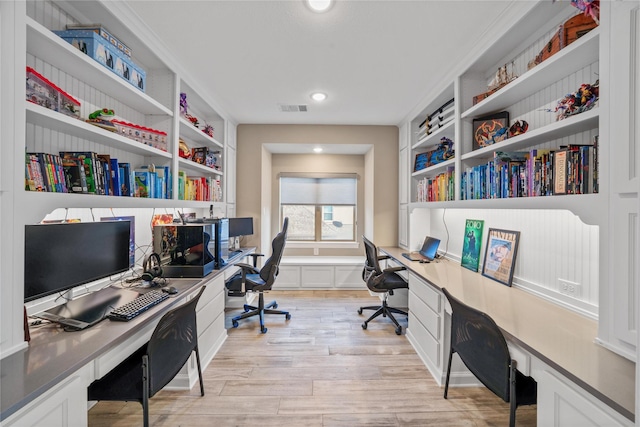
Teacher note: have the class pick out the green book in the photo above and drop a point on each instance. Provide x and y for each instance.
(472, 243)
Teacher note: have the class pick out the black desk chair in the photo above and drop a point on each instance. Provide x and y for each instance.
(262, 280)
(154, 365)
(482, 347)
(381, 281)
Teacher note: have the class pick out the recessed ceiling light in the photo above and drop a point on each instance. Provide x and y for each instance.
(319, 5)
(317, 150)
(318, 96)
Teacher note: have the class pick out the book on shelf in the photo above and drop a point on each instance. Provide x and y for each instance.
(127, 180)
(75, 175)
(44, 172)
(439, 188)
(93, 169)
(144, 183)
(114, 169)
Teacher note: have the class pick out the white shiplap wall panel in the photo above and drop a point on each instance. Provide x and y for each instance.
(554, 244)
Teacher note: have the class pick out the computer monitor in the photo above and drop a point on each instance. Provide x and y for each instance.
(240, 226)
(58, 257)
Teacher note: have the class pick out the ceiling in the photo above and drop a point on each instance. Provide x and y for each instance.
(376, 60)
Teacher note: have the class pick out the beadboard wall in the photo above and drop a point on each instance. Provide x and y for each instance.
(554, 246)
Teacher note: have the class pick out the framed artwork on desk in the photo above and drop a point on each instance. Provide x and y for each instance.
(500, 255)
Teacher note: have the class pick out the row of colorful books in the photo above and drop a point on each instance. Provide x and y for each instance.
(200, 188)
(571, 169)
(91, 173)
(440, 188)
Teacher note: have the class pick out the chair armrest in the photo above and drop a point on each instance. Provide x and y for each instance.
(383, 257)
(255, 258)
(247, 268)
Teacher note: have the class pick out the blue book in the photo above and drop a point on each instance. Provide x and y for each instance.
(143, 184)
(126, 184)
(115, 177)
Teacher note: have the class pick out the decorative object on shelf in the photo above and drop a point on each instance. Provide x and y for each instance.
(192, 119)
(103, 118)
(148, 136)
(204, 156)
(552, 47)
(439, 118)
(518, 128)
(505, 75)
(443, 152)
(208, 129)
(490, 129)
(576, 27)
(45, 93)
(472, 244)
(584, 99)
(571, 30)
(183, 150)
(500, 255)
(183, 104)
(590, 8)
(105, 53)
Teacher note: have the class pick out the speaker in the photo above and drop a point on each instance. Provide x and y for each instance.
(152, 268)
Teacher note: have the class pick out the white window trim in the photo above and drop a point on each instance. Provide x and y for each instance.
(322, 245)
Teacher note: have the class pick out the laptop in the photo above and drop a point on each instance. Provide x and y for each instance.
(427, 253)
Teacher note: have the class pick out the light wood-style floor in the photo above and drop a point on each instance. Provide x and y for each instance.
(318, 369)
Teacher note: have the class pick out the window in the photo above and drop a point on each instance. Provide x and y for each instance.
(320, 208)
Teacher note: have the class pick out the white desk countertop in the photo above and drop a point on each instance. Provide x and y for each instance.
(559, 337)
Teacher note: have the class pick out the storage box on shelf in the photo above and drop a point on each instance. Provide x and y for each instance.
(148, 136)
(43, 92)
(105, 53)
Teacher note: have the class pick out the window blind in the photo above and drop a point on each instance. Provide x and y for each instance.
(318, 191)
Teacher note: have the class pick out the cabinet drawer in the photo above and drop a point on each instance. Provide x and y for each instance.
(426, 293)
(429, 346)
(210, 311)
(429, 319)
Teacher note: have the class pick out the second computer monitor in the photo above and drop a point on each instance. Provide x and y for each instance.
(240, 226)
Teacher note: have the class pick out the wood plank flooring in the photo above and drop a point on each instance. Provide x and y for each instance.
(318, 369)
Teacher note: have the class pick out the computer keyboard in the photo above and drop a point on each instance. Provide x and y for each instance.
(138, 306)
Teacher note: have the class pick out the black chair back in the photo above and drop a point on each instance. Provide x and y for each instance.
(172, 343)
(481, 346)
(371, 266)
(269, 270)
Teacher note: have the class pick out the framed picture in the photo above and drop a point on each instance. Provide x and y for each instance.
(500, 255)
(422, 161)
(491, 129)
(472, 244)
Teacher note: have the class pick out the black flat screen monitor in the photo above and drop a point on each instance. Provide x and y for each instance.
(58, 257)
(240, 227)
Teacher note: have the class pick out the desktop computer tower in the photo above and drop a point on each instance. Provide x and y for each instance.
(192, 249)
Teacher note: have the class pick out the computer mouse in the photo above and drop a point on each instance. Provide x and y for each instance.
(172, 290)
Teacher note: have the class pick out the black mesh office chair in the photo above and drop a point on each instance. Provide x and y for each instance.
(262, 280)
(482, 347)
(154, 365)
(381, 281)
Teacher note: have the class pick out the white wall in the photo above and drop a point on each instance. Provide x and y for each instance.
(554, 245)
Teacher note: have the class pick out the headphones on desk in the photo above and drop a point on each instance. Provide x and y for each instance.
(152, 269)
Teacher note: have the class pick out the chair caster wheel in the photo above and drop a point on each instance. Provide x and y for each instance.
(287, 316)
(364, 326)
(263, 330)
(234, 323)
(359, 311)
(399, 330)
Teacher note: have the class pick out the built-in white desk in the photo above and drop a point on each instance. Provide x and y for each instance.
(580, 383)
(46, 383)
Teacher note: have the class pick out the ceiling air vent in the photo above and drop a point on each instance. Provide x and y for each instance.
(287, 108)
